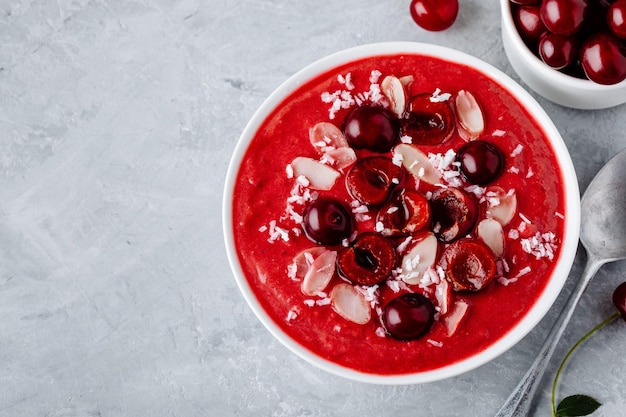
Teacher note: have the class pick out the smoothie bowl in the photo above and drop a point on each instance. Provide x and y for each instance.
(400, 213)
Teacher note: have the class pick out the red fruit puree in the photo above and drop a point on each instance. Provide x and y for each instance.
(268, 233)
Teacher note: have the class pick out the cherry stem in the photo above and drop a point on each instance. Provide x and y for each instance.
(573, 348)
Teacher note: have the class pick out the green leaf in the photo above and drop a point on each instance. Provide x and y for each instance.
(576, 406)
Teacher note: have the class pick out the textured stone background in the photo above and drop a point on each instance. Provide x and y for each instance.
(117, 122)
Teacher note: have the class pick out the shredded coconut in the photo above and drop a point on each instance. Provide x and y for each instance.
(518, 150)
(540, 245)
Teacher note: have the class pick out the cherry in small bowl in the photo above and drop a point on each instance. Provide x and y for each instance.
(569, 86)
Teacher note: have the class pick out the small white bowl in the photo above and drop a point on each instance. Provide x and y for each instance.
(546, 297)
(557, 87)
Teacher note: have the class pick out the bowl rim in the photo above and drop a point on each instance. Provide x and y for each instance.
(571, 227)
(540, 68)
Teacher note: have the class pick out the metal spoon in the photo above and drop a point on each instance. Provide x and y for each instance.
(603, 234)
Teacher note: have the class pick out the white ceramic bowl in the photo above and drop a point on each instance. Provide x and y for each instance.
(546, 298)
(557, 87)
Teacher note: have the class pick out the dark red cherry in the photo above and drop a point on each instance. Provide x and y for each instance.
(558, 51)
(368, 261)
(616, 17)
(406, 213)
(529, 24)
(563, 17)
(427, 121)
(468, 264)
(434, 15)
(327, 221)
(371, 127)
(619, 299)
(371, 179)
(603, 59)
(408, 316)
(481, 162)
(453, 212)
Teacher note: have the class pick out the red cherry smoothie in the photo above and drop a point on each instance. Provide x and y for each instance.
(268, 238)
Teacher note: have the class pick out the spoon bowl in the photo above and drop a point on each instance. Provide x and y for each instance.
(603, 231)
(603, 234)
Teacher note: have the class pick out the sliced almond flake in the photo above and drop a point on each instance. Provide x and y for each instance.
(319, 273)
(506, 206)
(303, 260)
(289, 171)
(425, 252)
(498, 133)
(471, 122)
(559, 215)
(326, 134)
(453, 319)
(394, 92)
(406, 139)
(490, 231)
(380, 332)
(416, 162)
(530, 173)
(318, 175)
(350, 304)
(342, 157)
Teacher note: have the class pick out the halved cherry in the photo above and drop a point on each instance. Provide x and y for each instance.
(408, 316)
(371, 179)
(427, 121)
(453, 212)
(406, 213)
(368, 261)
(468, 264)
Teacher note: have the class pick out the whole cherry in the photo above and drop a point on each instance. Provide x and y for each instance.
(619, 299)
(434, 15)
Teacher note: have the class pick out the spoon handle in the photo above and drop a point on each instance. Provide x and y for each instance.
(519, 402)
